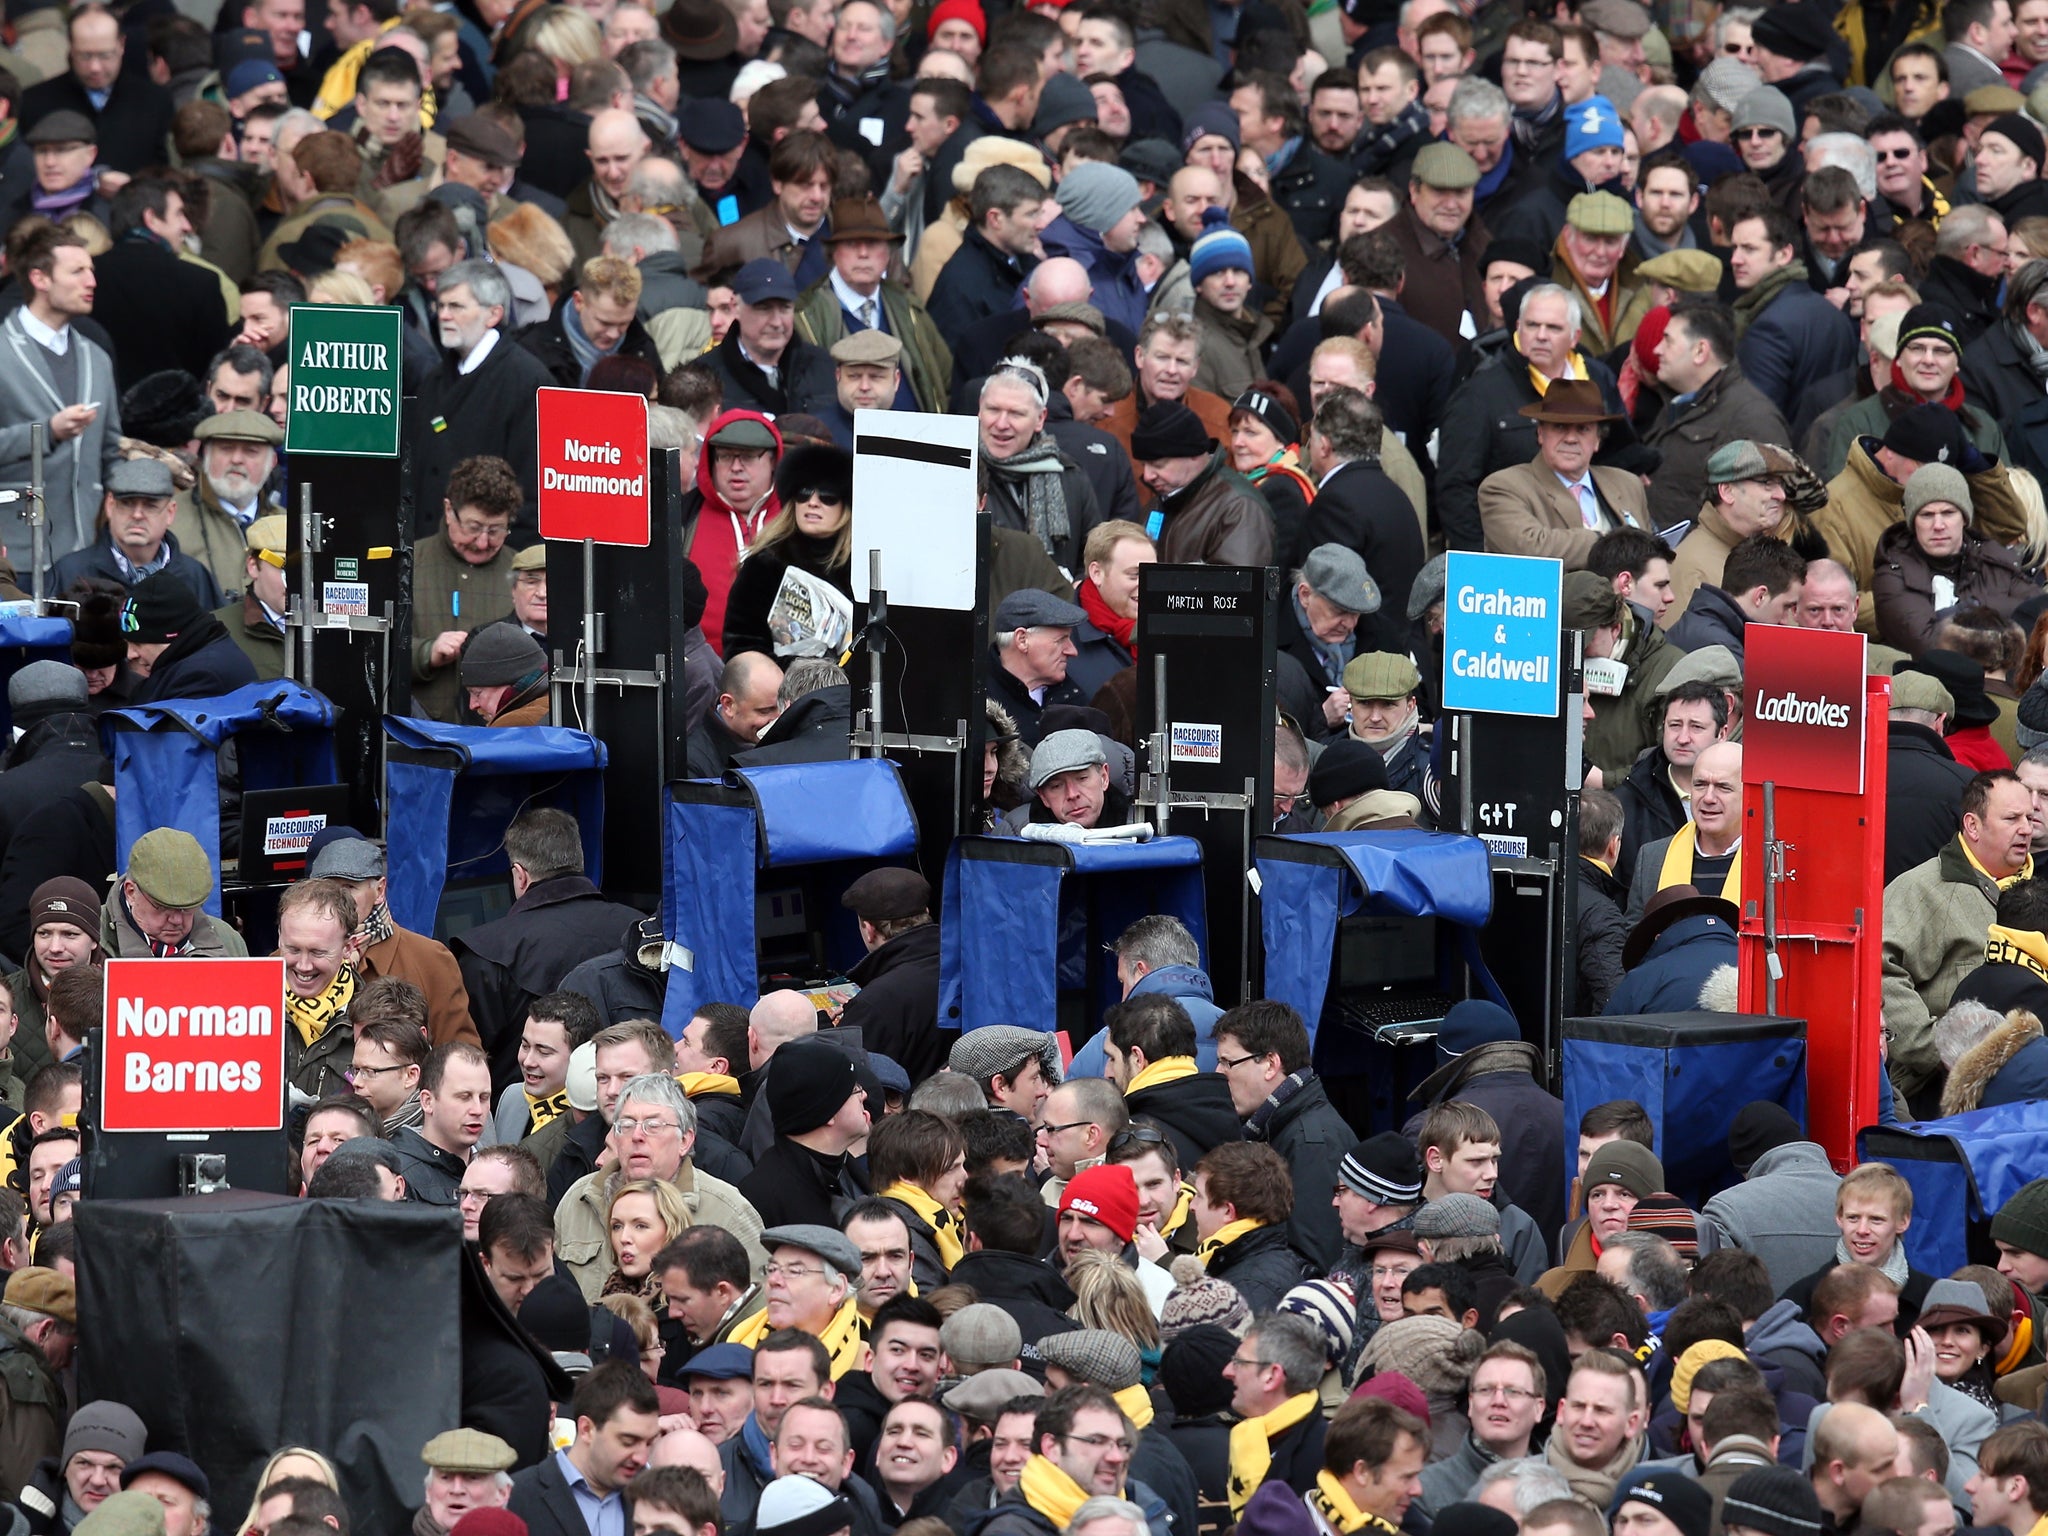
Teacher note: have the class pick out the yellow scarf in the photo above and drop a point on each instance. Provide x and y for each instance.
(314, 1016)
(1226, 1235)
(1051, 1492)
(945, 1229)
(1677, 868)
(696, 1085)
(1251, 1445)
(1181, 1207)
(2022, 1341)
(1136, 1403)
(844, 1338)
(540, 1111)
(1169, 1069)
(2026, 871)
(1574, 368)
(2017, 946)
(1331, 1502)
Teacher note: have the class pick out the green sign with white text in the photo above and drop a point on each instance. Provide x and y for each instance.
(345, 380)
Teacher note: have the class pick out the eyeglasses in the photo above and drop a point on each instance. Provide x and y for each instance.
(776, 1271)
(1098, 1442)
(1232, 1063)
(1248, 1365)
(354, 1074)
(495, 532)
(1071, 1125)
(472, 1196)
(651, 1127)
(1505, 1394)
(1393, 1272)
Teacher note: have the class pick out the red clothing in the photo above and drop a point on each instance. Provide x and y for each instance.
(1974, 748)
(723, 532)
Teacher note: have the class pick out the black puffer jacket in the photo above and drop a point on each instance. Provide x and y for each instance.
(1902, 585)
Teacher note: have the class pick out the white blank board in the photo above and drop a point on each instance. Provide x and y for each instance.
(914, 500)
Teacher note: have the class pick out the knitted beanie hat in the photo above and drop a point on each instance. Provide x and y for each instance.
(1774, 1500)
(1758, 1128)
(1689, 1365)
(1635, 1168)
(104, 1426)
(1218, 247)
(1332, 1307)
(1094, 195)
(1433, 1352)
(1201, 1301)
(1393, 1387)
(1937, 482)
(2023, 1220)
(1191, 1370)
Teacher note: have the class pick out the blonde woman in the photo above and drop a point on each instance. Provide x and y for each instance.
(292, 1461)
(1108, 1295)
(813, 531)
(644, 1217)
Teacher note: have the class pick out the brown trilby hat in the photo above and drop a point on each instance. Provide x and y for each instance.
(859, 218)
(1571, 401)
(1671, 905)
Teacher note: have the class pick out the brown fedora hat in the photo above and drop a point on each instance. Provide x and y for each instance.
(1673, 904)
(1572, 402)
(859, 218)
(703, 31)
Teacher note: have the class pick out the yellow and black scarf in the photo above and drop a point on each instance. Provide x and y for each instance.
(1224, 1236)
(1136, 1403)
(1677, 866)
(844, 1338)
(1251, 1445)
(1329, 1500)
(945, 1226)
(697, 1085)
(540, 1111)
(314, 1016)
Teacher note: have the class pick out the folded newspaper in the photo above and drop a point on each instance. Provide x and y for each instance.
(809, 617)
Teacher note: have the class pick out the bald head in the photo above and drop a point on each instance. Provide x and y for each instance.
(1057, 280)
(777, 1019)
(943, 64)
(1722, 760)
(617, 143)
(684, 1447)
(1853, 1451)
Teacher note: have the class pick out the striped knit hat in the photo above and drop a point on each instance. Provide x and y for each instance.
(1670, 1218)
(1383, 1169)
(1218, 247)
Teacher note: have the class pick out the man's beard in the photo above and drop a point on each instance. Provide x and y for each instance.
(233, 487)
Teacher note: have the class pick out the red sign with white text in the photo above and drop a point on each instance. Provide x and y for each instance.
(193, 1045)
(593, 466)
(1802, 708)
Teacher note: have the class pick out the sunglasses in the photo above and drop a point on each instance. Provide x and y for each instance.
(829, 498)
(1897, 154)
(1759, 133)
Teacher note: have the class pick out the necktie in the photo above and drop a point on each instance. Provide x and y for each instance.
(1589, 509)
(867, 314)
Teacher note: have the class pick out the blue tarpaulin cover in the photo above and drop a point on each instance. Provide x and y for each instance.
(448, 816)
(167, 765)
(1411, 874)
(1961, 1168)
(802, 814)
(1014, 928)
(1692, 1072)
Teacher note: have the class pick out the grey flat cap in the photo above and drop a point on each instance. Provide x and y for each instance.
(993, 1048)
(141, 477)
(46, 682)
(1336, 574)
(1094, 1355)
(1063, 752)
(835, 1248)
(1029, 608)
(1427, 588)
(349, 858)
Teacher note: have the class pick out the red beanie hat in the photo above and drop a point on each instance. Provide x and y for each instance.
(1648, 334)
(968, 11)
(1395, 1388)
(483, 1521)
(1109, 1193)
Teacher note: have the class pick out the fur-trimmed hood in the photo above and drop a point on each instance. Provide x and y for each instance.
(1718, 993)
(1013, 758)
(1973, 1073)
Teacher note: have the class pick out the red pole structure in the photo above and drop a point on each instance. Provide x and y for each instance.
(1814, 732)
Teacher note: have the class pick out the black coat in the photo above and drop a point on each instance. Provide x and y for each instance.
(163, 313)
(1412, 397)
(791, 1184)
(977, 281)
(1711, 617)
(1153, 115)
(1195, 1111)
(542, 1498)
(1312, 187)
(1538, 214)
(134, 127)
(1499, 1079)
(508, 1381)
(556, 926)
(1030, 1291)
(1923, 797)
(1102, 460)
(1097, 658)
(1360, 508)
(814, 729)
(806, 383)
(1997, 379)
(489, 410)
(1313, 1139)
(1204, 1443)
(1297, 1454)
(557, 139)
(1969, 293)
(1004, 689)
(1261, 1266)
(1794, 342)
(1603, 929)
(1157, 1463)
(72, 833)
(97, 559)
(202, 663)
(1650, 807)
(618, 985)
(548, 340)
(55, 754)
(897, 1007)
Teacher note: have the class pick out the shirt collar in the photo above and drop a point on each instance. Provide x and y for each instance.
(849, 300)
(58, 341)
(478, 353)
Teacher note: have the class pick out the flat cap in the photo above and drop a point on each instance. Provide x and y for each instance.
(267, 534)
(1921, 690)
(994, 1048)
(48, 684)
(1428, 587)
(1745, 460)
(482, 138)
(532, 558)
(63, 128)
(1993, 101)
(710, 125)
(1337, 574)
(1063, 752)
(1714, 664)
(170, 868)
(150, 477)
(981, 1334)
(1599, 213)
(743, 432)
(184, 1470)
(1445, 167)
(348, 858)
(867, 346)
(468, 1450)
(982, 1395)
(1381, 675)
(1457, 1216)
(239, 427)
(721, 1362)
(1617, 18)
(834, 1247)
(888, 895)
(1589, 601)
(1030, 608)
(1074, 312)
(35, 1289)
(1094, 1355)
(1687, 271)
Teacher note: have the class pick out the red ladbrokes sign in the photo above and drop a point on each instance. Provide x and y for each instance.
(1802, 704)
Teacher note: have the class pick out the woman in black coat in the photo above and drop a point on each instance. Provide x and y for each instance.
(813, 532)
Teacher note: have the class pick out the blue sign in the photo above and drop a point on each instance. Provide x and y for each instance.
(1502, 633)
